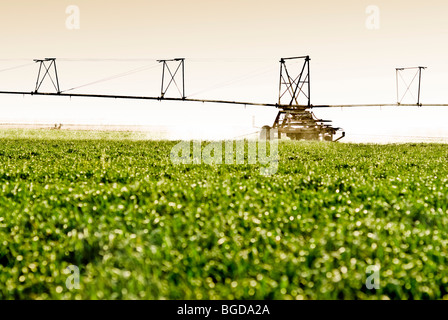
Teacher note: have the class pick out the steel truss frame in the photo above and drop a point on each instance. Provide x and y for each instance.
(180, 62)
(47, 64)
(293, 88)
(399, 74)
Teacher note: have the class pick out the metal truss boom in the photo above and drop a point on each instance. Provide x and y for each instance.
(275, 105)
(294, 86)
(140, 98)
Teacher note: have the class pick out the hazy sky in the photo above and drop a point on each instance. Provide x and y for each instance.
(232, 50)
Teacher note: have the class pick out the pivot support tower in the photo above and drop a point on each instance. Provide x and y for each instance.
(294, 119)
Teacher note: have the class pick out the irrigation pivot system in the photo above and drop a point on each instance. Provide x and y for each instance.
(294, 119)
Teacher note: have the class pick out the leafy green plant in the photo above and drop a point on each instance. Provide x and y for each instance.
(139, 227)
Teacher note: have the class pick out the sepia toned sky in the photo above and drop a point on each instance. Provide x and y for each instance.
(232, 50)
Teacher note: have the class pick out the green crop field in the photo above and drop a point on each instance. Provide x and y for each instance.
(139, 227)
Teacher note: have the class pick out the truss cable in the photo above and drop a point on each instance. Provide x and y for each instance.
(19, 59)
(227, 60)
(120, 75)
(106, 59)
(248, 76)
(17, 67)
